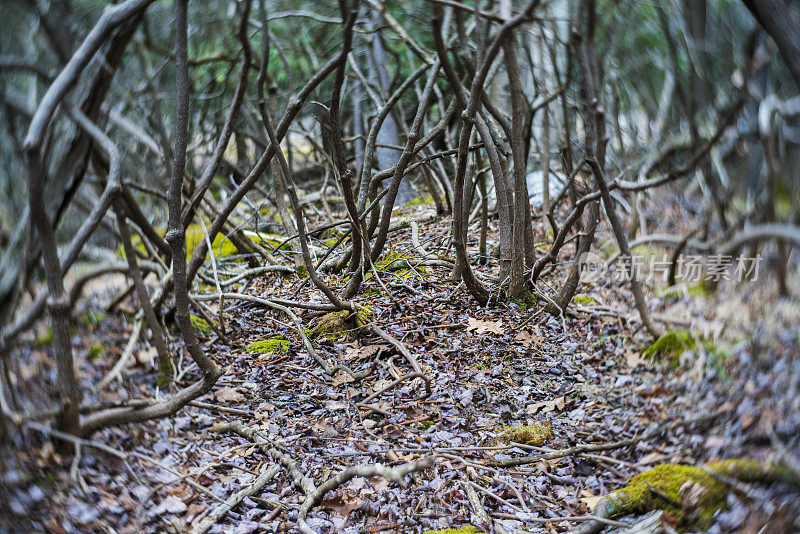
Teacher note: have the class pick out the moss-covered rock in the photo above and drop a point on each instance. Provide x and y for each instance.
(665, 487)
(269, 345)
(535, 435)
(334, 325)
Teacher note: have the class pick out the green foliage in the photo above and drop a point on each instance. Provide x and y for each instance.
(584, 299)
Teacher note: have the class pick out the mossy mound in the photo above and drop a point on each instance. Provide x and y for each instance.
(467, 529)
(334, 325)
(302, 271)
(401, 265)
(526, 302)
(673, 343)
(535, 435)
(665, 487)
(269, 345)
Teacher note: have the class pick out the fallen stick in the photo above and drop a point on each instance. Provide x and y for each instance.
(234, 500)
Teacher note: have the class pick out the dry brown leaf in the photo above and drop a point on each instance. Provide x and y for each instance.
(482, 327)
(229, 394)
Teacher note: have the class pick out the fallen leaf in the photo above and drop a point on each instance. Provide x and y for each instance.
(545, 406)
(341, 378)
(483, 327)
(634, 359)
(229, 394)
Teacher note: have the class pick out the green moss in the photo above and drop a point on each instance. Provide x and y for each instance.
(45, 339)
(675, 342)
(96, 350)
(426, 424)
(584, 299)
(221, 246)
(701, 289)
(302, 271)
(660, 488)
(200, 325)
(166, 373)
(91, 318)
(269, 345)
(273, 240)
(399, 264)
(526, 302)
(748, 470)
(468, 529)
(420, 201)
(535, 435)
(335, 324)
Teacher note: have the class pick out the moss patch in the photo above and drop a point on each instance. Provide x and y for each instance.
(468, 529)
(584, 300)
(166, 373)
(200, 325)
(269, 345)
(45, 339)
(660, 488)
(525, 303)
(90, 319)
(401, 265)
(535, 435)
(420, 201)
(675, 342)
(96, 350)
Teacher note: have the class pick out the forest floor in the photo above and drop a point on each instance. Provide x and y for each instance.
(582, 375)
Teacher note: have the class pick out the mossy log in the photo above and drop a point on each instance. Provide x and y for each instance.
(667, 487)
